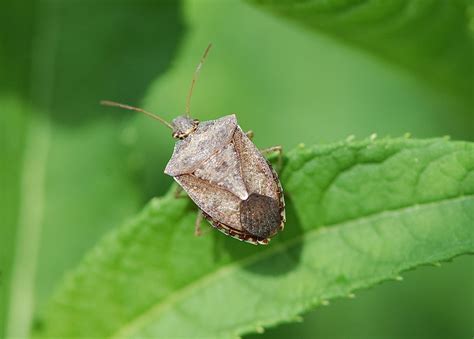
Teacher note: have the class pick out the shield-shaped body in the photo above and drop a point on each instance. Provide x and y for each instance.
(229, 180)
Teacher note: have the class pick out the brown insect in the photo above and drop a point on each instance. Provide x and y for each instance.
(227, 177)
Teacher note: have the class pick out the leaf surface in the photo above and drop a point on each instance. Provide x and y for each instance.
(358, 213)
(64, 154)
(432, 38)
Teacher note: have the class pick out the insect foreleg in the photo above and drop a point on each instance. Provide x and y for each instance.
(249, 134)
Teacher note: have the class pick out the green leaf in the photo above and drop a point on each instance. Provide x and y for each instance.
(65, 155)
(11, 139)
(433, 38)
(358, 213)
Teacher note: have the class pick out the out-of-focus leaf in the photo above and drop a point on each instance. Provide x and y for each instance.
(358, 213)
(433, 38)
(71, 156)
(290, 85)
(12, 125)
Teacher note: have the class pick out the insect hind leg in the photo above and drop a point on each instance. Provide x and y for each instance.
(197, 224)
(275, 149)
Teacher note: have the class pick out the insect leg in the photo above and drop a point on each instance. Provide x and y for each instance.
(197, 224)
(178, 193)
(274, 149)
(249, 134)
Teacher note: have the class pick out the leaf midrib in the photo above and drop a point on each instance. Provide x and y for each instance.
(179, 294)
(33, 176)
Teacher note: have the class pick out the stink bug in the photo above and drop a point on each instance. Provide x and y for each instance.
(227, 177)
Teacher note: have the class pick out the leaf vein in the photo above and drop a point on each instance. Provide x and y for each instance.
(158, 308)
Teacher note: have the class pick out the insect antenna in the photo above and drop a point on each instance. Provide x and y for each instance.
(136, 109)
(195, 77)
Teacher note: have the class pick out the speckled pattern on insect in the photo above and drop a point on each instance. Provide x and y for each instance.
(227, 177)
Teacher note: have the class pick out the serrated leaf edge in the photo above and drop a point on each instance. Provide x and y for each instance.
(152, 312)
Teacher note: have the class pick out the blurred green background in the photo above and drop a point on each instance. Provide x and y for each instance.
(71, 170)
